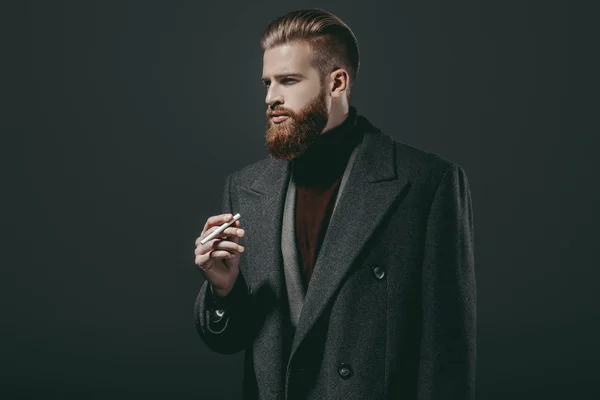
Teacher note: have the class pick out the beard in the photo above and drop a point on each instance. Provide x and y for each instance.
(291, 138)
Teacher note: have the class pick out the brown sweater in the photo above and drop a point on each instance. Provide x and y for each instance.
(317, 175)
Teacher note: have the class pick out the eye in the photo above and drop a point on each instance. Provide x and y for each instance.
(287, 80)
(266, 83)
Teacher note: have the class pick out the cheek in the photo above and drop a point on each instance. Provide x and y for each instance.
(300, 97)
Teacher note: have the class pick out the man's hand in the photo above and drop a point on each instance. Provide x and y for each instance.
(218, 259)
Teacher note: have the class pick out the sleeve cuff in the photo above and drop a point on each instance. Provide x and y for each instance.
(238, 292)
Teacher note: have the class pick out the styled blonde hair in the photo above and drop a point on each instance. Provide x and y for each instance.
(332, 43)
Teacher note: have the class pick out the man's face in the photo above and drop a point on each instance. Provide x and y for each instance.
(293, 89)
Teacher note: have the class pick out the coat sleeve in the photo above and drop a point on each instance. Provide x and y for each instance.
(448, 332)
(223, 323)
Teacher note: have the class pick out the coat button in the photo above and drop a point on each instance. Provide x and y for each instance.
(345, 371)
(379, 272)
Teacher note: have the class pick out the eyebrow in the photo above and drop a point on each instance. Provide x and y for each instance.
(279, 76)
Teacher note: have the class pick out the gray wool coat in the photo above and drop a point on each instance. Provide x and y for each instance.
(390, 311)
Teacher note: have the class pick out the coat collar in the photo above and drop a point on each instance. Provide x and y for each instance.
(376, 159)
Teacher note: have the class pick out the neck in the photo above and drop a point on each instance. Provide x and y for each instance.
(337, 114)
(325, 160)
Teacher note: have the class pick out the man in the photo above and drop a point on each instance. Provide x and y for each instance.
(353, 277)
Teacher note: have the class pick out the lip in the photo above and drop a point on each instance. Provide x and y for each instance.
(279, 118)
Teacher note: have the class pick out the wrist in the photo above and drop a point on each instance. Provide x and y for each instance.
(219, 293)
(223, 300)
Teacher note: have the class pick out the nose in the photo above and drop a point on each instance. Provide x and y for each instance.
(274, 96)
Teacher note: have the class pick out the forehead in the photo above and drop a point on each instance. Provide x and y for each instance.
(290, 57)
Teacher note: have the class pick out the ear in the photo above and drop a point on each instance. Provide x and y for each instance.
(340, 81)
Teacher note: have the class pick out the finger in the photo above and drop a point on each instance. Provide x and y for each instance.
(219, 244)
(217, 220)
(234, 232)
(229, 245)
(237, 230)
(216, 254)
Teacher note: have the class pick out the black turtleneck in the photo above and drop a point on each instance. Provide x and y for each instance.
(325, 160)
(317, 176)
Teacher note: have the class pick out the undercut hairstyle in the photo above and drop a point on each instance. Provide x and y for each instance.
(332, 43)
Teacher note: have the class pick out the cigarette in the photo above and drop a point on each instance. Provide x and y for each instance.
(221, 229)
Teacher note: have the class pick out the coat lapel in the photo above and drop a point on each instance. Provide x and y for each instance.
(261, 208)
(372, 187)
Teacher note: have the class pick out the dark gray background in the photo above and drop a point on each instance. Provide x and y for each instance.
(122, 120)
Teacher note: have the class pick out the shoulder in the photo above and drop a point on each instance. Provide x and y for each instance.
(418, 162)
(432, 175)
(251, 171)
(420, 166)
